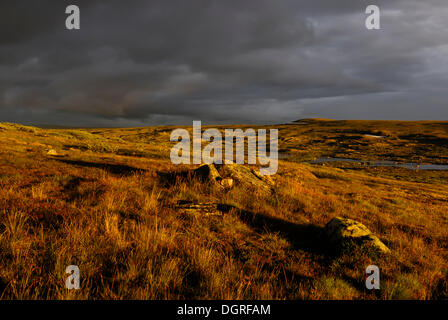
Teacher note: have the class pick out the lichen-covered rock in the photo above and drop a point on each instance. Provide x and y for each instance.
(340, 230)
(245, 175)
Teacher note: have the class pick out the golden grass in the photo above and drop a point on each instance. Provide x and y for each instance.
(111, 211)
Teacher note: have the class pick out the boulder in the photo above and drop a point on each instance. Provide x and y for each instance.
(52, 152)
(208, 172)
(227, 183)
(341, 230)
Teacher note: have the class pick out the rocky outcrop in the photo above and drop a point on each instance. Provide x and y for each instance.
(342, 230)
(229, 175)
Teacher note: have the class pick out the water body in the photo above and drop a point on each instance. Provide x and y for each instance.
(407, 165)
(374, 136)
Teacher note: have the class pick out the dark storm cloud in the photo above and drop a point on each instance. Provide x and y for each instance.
(136, 62)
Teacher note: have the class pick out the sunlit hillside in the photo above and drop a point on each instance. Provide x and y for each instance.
(107, 200)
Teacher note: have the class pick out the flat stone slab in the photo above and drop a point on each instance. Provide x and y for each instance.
(199, 208)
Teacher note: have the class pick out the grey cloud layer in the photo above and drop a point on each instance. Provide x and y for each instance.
(137, 62)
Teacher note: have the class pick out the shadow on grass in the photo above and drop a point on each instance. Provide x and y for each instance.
(306, 237)
(118, 169)
(72, 192)
(169, 179)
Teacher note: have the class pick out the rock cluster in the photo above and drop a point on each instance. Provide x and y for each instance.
(228, 175)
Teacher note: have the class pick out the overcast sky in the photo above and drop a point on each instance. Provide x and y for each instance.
(155, 62)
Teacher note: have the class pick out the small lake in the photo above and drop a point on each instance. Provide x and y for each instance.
(407, 165)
